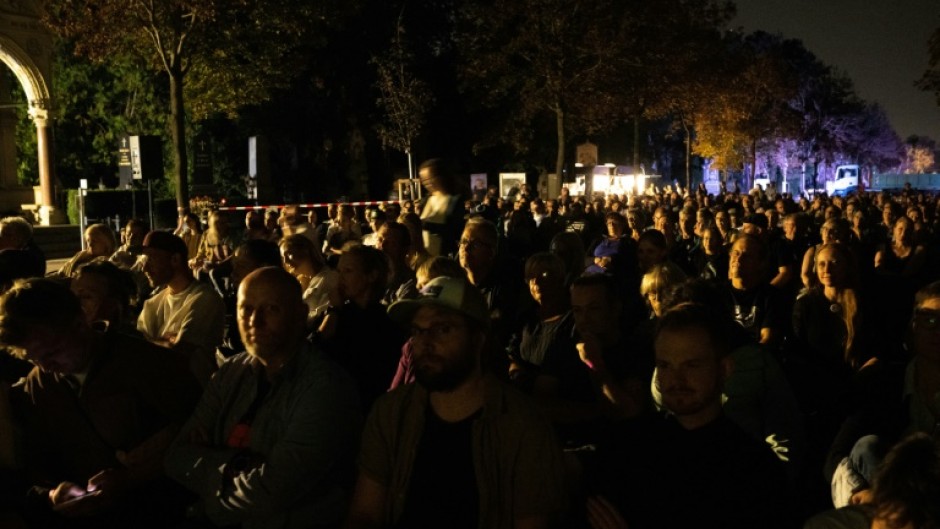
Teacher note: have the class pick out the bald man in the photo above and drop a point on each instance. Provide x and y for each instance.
(272, 442)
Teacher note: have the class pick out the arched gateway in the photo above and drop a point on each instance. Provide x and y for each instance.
(26, 48)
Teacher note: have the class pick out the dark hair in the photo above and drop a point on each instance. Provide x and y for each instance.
(403, 232)
(763, 253)
(36, 303)
(442, 172)
(120, 283)
(654, 237)
(303, 245)
(930, 291)
(262, 252)
(606, 283)
(374, 261)
(692, 315)
(907, 484)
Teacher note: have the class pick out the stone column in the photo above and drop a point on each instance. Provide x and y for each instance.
(48, 212)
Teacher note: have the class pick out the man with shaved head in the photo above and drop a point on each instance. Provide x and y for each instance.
(273, 440)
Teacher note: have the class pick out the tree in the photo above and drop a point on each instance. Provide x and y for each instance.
(930, 80)
(217, 54)
(875, 144)
(96, 104)
(404, 98)
(537, 58)
(919, 156)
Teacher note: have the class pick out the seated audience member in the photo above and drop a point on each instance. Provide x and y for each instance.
(498, 280)
(189, 228)
(306, 262)
(292, 222)
(105, 293)
(832, 230)
(215, 247)
(652, 248)
(344, 229)
(394, 240)
(356, 331)
(619, 373)
(568, 246)
(249, 256)
(757, 306)
(692, 467)
(417, 253)
(904, 493)
(711, 257)
(272, 442)
(99, 244)
(376, 219)
(272, 223)
(903, 257)
(128, 254)
(185, 315)
(830, 343)
(757, 395)
(19, 255)
(546, 324)
(900, 404)
(96, 413)
(657, 282)
(458, 448)
(254, 226)
(432, 268)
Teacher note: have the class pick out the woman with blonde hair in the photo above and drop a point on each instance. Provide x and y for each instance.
(303, 260)
(657, 282)
(833, 230)
(100, 243)
(215, 247)
(190, 230)
(830, 346)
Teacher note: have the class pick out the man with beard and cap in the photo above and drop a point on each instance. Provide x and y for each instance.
(458, 448)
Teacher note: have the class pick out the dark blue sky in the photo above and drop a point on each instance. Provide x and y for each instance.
(879, 44)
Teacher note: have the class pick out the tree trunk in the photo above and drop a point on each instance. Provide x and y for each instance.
(560, 155)
(178, 133)
(750, 184)
(636, 143)
(688, 157)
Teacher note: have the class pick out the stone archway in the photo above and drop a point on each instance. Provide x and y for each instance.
(26, 48)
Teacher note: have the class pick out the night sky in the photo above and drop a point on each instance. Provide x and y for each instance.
(880, 44)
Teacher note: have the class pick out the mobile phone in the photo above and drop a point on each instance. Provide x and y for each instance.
(75, 500)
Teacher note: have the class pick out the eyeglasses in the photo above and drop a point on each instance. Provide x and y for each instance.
(472, 244)
(434, 332)
(927, 319)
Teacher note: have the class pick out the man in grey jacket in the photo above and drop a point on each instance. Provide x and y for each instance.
(273, 440)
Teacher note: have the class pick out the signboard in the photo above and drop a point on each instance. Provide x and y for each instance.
(202, 159)
(510, 184)
(125, 173)
(587, 154)
(478, 186)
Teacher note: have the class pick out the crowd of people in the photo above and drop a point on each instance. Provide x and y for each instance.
(671, 359)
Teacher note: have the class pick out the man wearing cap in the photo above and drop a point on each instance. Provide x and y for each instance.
(458, 448)
(183, 314)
